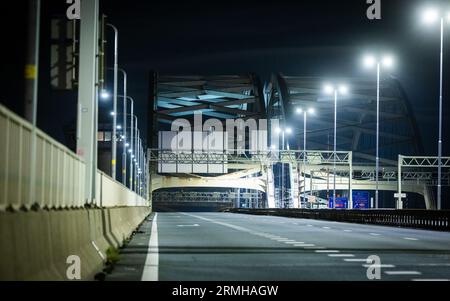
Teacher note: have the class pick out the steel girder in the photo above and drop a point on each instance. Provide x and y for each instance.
(220, 97)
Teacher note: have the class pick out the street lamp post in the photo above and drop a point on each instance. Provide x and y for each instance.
(369, 62)
(116, 69)
(431, 16)
(335, 91)
(299, 111)
(283, 132)
(124, 151)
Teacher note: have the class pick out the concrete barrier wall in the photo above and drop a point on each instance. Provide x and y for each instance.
(35, 245)
(111, 193)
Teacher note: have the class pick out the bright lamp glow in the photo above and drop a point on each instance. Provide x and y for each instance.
(343, 90)
(369, 61)
(388, 61)
(329, 89)
(119, 127)
(104, 94)
(311, 111)
(127, 144)
(289, 131)
(130, 151)
(430, 15)
(112, 114)
(274, 147)
(278, 130)
(299, 110)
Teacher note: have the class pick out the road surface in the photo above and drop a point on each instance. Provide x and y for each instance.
(233, 247)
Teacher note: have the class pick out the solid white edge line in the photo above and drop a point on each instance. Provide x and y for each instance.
(151, 268)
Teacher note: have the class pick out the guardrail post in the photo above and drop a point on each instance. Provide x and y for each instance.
(350, 181)
(399, 182)
(88, 94)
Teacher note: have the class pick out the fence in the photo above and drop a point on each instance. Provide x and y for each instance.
(424, 219)
(59, 173)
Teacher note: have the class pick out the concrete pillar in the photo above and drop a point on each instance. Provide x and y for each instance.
(88, 93)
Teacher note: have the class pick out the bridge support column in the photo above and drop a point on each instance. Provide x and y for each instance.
(270, 187)
(293, 168)
(88, 94)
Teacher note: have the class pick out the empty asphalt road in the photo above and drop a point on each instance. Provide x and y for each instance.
(224, 246)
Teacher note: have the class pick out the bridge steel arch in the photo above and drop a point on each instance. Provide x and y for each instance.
(221, 97)
(356, 122)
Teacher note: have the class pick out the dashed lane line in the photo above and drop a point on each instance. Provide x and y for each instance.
(400, 273)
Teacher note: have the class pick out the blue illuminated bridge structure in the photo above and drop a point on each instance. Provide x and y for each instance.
(284, 174)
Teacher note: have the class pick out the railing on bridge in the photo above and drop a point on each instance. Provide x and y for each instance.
(58, 181)
(423, 219)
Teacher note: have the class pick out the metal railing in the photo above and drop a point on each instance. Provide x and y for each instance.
(423, 219)
(58, 181)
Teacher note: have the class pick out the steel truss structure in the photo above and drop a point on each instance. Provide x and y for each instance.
(418, 164)
(218, 97)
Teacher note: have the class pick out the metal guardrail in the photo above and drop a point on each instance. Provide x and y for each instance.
(422, 219)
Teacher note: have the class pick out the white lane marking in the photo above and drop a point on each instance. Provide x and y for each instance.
(434, 264)
(341, 255)
(284, 239)
(374, 234)
(294, 242)
(151, 268)
(184, 226)
(295, 223)
(355, 260)
(402, 273)
(304, 245)
(379, 265)
(348, 230)
(430, 279)
(326, 228)
(410, 238)
(327, 251)
(309, 225)
(314, 248)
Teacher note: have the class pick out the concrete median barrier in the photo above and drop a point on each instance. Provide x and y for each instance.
(35, 245)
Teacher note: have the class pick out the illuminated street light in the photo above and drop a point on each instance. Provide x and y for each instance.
(343, 90)
(369, 61)
(388, 62)
(104, 94)
(430, 16)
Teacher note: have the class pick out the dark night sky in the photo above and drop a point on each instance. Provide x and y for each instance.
(309, 38)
